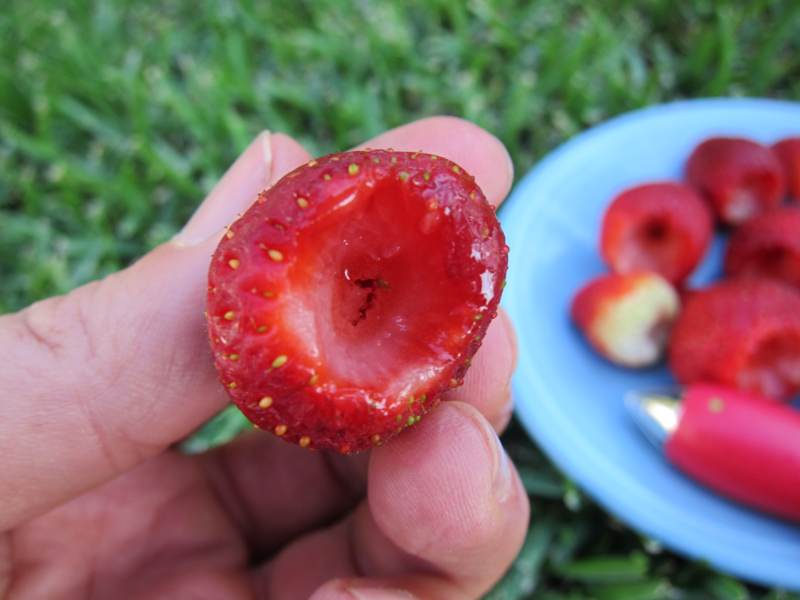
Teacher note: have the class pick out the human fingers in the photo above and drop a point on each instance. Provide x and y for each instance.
(265, 483)
(444, 517)
(478, 151)
(487, 384)
(110, 374)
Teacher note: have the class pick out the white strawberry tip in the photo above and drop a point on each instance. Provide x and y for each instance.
(633, 329)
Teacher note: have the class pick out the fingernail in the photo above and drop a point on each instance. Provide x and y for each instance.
(504, 418)
(380, 594)
(511, 338)
(232, 195)
(503, 480)
(179, 241)
(266, 151)
(509, 165)
(502, 469)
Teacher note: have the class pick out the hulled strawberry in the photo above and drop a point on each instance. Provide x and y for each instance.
(352, 294)
(743, 333)
(663, 227)
(627, 318)
(788, 153)
(739, 177)
(767, 246)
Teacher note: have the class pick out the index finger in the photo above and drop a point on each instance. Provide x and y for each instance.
(463, 142)
(266, 475)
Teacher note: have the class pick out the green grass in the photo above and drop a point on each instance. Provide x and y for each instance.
(116, 118)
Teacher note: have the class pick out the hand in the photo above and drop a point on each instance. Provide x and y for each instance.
(99, 383)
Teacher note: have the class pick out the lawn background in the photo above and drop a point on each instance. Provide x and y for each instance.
(117, 117)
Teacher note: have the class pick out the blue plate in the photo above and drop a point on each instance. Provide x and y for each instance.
(570, 400)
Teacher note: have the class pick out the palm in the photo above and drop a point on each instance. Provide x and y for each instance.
(156, 531)
(178, 527)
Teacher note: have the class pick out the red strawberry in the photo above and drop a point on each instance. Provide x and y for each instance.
(788, 152)
(768, 245)
(662, 227)
(352, 294)
(743, 333)
(627, 317)
(739, 177)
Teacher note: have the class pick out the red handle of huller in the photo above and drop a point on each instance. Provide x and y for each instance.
(743, 446)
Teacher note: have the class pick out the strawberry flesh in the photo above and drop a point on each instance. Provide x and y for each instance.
(774, 367)
(743, 333)
(767, 246)
(788, 152)
(663, 227)
(363, 284)
(627, 318)
(740, 178)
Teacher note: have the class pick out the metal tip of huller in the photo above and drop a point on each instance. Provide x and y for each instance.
(656, 413)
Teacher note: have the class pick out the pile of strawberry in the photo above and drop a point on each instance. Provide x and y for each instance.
(742, 331)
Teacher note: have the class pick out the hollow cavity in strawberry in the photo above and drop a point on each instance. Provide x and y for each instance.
(767, 246)
(743, 333)
(663, 227)
(739, 177)
(353, 294)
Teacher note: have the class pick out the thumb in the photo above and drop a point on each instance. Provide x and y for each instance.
(103, 378)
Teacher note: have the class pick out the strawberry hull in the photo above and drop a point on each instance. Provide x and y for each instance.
(352, 294)
(626, 318)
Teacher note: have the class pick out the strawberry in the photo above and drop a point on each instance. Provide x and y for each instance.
(768, 245)
(739, 177)
(663, 227)
(352, 294)
(788, 152)
(743, 333)
(627, 318)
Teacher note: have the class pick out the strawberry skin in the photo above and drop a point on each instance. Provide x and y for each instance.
(739, 177)
(744, 333)
(626, 318)
(352, 294)
(767, 246)
(788, 152)
(663, 227)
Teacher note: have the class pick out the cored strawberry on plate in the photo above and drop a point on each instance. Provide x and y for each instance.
(664, 227)
(788, 152)
(767, 246)
(743, 333)
(739, 177)
(352, 294)
(627, 318)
